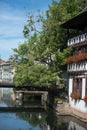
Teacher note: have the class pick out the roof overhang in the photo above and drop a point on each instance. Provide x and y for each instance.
(78, 22)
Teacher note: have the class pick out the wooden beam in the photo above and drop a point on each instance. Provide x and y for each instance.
(32, 92)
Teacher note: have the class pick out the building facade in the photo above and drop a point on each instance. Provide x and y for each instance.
(77, 64)
(6, 71)
(77, 72)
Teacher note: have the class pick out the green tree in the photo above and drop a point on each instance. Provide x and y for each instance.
(41, 59)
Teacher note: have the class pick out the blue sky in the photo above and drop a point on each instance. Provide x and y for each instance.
(13, 17)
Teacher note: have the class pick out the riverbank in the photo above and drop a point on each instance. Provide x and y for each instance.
(63, 108)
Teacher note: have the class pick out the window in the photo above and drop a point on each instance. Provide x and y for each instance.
(77, 85)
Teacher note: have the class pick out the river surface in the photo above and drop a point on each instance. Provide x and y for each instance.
(14, 115)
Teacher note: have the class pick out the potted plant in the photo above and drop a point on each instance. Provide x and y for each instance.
(85, 98)
(79, 57)
(75, 95)
(69, 59)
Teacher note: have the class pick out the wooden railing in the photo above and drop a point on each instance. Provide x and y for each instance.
(77, 67)
(77, 39)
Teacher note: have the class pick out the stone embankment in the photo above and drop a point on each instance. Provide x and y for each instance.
(63, 108)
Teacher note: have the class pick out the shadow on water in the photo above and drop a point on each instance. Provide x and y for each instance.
(18, 115)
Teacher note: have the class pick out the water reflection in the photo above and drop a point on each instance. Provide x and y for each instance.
(45, 120)
(15, 121)
(32, 118)
(5, 97)
(64, 122)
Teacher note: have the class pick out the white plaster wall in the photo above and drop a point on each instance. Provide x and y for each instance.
(75, 126)
(86, 65)
(48, 127)
(70, 86)
(83, 87)
(79, 104)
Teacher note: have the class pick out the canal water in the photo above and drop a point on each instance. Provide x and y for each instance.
(14, 115)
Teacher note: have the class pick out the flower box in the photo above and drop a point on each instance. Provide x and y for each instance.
(76, 58)
(80, 57)
(69, 59)
(75, 95)
(85, 98)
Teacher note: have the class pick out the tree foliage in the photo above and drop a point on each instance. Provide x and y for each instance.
(41, 59)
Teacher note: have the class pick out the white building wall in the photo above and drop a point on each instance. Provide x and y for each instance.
(70, 87)
(83, 87)
(81, 66)
(78, 104)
